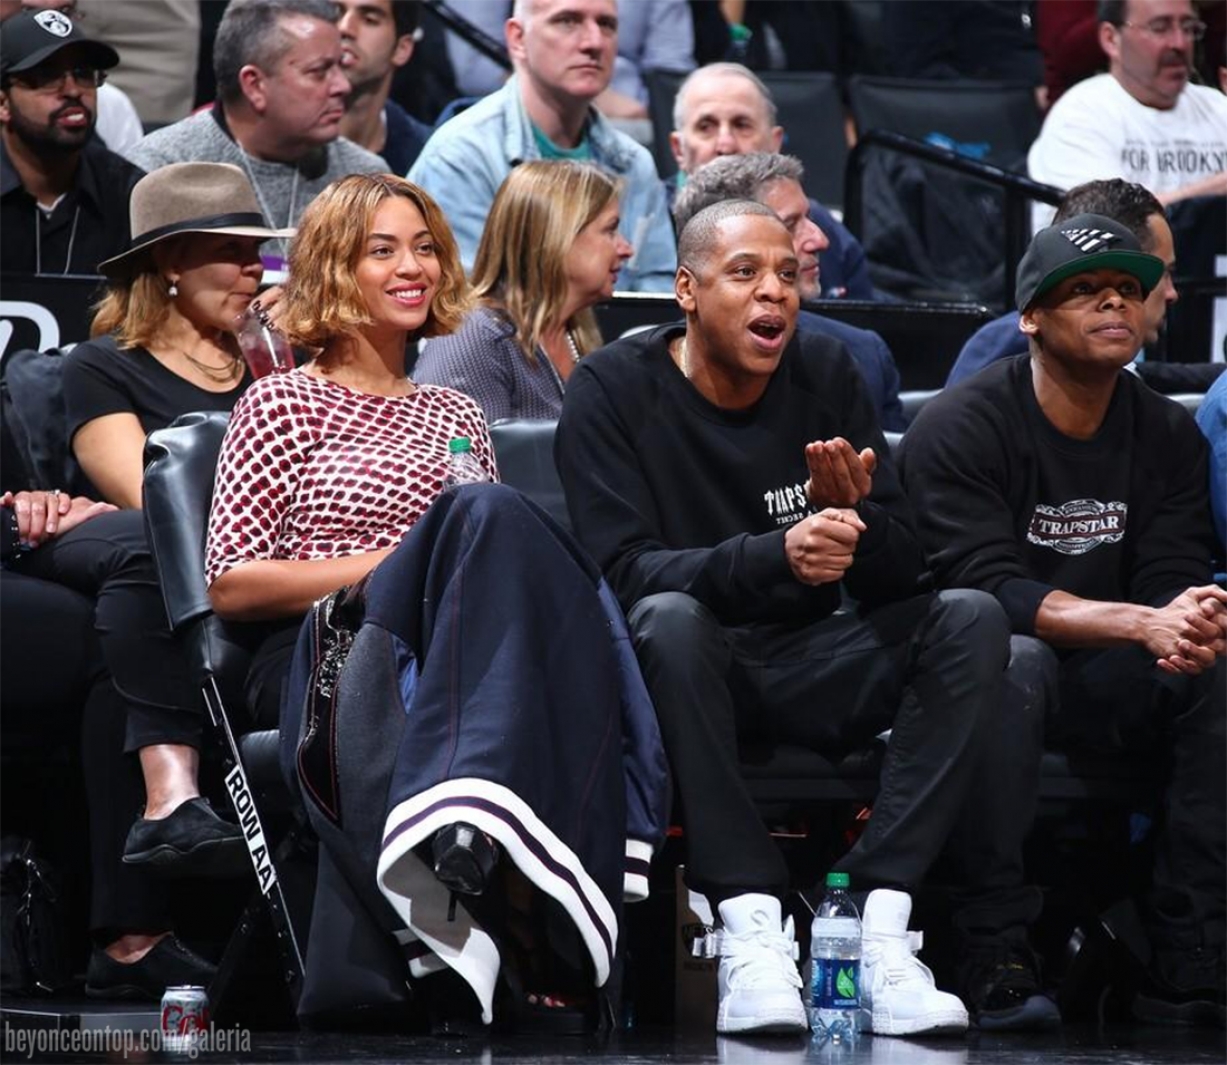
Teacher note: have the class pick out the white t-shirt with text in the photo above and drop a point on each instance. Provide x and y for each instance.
(1097, 130)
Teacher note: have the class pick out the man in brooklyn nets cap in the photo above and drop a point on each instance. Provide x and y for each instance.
(63, 195)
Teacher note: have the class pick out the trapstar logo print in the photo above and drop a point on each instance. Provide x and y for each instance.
(787, 505)
(1077, 527)
(1089, 240)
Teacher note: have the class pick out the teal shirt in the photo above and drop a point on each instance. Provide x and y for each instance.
(581, 153)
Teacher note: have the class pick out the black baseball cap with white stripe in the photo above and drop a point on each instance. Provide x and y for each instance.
(32, 37)
(1079, 245)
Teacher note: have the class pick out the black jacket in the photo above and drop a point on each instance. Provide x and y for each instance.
(88, 225)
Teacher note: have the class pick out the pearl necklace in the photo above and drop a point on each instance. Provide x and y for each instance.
(573, 347)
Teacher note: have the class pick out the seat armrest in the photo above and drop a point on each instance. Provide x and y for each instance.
(180, 464)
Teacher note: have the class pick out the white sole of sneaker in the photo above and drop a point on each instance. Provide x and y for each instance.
(943, 1022)
(781, 1020)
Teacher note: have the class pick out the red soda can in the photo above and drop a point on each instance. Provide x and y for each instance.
(185, 1017)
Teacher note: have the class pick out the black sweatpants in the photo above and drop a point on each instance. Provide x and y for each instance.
(1117, 700)
(931, 669)
(107, 559)
(56, 684)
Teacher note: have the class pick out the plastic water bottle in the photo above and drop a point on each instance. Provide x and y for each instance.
(739, 43)
(462, 464)
(835, 949)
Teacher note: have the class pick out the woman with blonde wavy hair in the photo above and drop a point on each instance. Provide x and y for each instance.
(361, 449)
(509, 771)
(550, 251)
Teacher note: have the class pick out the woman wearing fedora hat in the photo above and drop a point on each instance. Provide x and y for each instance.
(164, 331)
(192, 268)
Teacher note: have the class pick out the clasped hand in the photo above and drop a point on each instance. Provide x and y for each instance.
(820, 548)
(1188, 634)
(41, 516)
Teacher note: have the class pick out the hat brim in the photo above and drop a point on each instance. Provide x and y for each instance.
(103, 56)
(119, 266)
(1148, 269)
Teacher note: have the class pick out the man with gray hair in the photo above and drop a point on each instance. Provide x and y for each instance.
(776, 182)
(725, 109)
(729, 477)
(281, 99)
(563, 52)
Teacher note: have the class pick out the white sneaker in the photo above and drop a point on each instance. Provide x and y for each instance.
(897, 990)
(759, 986)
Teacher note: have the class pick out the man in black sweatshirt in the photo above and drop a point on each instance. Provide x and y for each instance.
(730, 478)
(1078, 497)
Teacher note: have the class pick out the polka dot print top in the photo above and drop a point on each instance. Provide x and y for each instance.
(311, 469)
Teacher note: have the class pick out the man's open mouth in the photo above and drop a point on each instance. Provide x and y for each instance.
(768, 328)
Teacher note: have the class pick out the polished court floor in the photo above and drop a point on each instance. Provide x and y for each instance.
(1082, 1044)
(1123, 1046)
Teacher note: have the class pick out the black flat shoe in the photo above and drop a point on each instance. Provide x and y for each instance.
(170, 962)
(1184, 988)
(192, 841)
(464, 858)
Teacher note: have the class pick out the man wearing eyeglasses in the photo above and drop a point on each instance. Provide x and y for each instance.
(117, 124)
(1141, 121)
(63, 195)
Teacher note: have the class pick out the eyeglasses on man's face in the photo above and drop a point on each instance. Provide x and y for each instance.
(69, 8)
(51, 79)
(1161, 28)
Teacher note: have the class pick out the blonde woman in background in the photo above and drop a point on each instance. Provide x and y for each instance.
(550, 251)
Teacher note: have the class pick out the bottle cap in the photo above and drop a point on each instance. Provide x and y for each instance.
(740, 32)
(838, 880)
(459, 443)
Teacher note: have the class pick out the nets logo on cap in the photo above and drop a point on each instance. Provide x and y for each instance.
(54, 23)
(1090, 240)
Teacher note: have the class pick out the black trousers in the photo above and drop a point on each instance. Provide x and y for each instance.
(270, 670)
(140, 690)
(931, 669)
(107, 560)
(1114, 701)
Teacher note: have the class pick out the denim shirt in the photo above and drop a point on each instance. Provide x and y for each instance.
(466, 160)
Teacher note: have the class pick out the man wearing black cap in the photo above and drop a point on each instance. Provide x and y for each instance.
(63, 195)
(1077, 496)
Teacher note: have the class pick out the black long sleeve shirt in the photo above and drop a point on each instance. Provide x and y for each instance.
(1008, 504)
(89, 225)
(671, 493)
